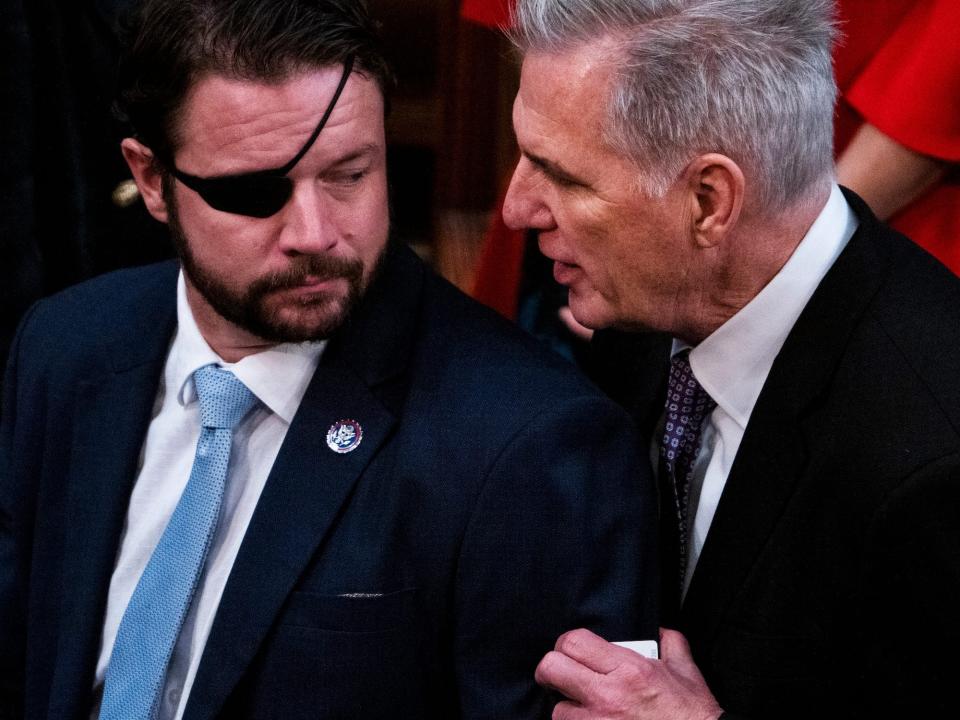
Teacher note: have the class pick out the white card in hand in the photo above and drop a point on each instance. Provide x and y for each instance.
(647, 648)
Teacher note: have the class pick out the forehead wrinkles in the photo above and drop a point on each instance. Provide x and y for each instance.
(265, 129)
(256, 120)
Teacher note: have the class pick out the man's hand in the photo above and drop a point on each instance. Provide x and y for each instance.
(608, 682)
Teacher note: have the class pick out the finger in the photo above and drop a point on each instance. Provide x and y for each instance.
(568, 677)
(570, 711)
(592, 651)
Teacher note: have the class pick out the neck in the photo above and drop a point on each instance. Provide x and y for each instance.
(229, 341)
(747, 260)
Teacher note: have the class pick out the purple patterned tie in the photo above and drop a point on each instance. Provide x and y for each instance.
(688, 404)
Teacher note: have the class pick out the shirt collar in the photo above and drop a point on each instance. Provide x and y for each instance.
(732, 364)
(278, 376)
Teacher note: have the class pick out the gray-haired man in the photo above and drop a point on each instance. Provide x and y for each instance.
(793, 362)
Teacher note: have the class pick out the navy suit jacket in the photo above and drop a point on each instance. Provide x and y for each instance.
(495, 501)
(828, 583)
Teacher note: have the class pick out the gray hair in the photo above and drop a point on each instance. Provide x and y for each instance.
(751, 79)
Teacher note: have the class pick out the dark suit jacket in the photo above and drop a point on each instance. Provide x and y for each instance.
(829, 581)
(494, 502)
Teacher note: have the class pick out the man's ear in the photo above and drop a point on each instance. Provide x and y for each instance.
(147, 176)
(716, 185)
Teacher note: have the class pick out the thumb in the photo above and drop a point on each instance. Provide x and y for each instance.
(675, 654)
(675, 650)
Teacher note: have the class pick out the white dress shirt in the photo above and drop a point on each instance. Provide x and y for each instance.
(732, 364)
(279, 378)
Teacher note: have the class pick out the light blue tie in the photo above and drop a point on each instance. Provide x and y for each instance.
(151, 623)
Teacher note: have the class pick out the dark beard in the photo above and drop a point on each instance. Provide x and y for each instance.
(249, 308)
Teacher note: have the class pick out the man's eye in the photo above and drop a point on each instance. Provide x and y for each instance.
(562, 180)
(350, 177)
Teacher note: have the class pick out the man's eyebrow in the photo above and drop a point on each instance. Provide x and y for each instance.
(356, 154)
(551, 168)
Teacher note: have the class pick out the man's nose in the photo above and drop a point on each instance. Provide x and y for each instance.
(309, 225)
(524, 206)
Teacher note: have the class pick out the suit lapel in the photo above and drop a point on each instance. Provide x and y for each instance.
(307, 488)
(772, 456)
(761, 482)
(111, 419)
(102, 471)
(310, 484)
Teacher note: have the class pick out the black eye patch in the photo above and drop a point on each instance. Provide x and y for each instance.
(262, 193)
(259, 194)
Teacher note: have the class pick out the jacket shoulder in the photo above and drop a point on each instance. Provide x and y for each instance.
(82, 322)
(917, 309)
(478, 344)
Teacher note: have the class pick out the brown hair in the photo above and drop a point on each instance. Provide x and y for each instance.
(170, 44)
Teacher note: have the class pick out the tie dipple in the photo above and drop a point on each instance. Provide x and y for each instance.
(151, 623)
(687, 406)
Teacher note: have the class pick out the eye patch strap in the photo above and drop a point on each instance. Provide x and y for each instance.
(347, 69)
(204, 184)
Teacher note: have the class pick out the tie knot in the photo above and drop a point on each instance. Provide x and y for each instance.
(685, 394)
(224, 399)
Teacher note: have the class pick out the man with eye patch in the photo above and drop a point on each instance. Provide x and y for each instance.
(294, 475)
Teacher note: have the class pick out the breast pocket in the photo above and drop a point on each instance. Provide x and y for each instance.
(355, 612)
(345, 656)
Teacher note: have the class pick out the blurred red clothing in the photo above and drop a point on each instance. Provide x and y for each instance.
(493, 13)
(497, 278)
(898, 68)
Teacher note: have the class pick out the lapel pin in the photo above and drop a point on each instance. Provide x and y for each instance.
(344, 436)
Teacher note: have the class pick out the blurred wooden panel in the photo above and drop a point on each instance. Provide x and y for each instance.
(451, 143)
